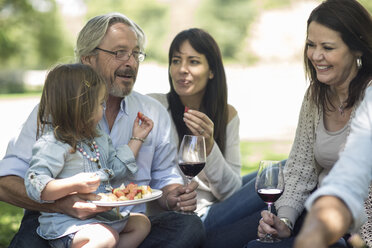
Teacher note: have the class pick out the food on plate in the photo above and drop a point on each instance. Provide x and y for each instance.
(130, 192)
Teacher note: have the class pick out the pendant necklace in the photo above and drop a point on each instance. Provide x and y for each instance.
(341, 108)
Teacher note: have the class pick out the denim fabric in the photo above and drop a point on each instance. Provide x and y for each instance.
(26, 237)
(175, 230)
(241, 204)
(288, 243)
(64, 242)
(233, 222)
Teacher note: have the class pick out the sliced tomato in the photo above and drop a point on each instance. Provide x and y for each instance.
(118, 192)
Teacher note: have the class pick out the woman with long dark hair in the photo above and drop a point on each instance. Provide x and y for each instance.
(197, 105)
(338, 62)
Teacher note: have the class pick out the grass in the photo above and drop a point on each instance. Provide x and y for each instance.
(252, 152)
(10, 218)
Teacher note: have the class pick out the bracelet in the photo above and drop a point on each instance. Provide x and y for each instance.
(288, 223)
(137, 138)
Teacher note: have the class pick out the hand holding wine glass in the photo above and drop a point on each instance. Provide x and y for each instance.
(192, 156)
(270, 186)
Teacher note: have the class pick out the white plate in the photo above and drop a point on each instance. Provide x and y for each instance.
(156, 193)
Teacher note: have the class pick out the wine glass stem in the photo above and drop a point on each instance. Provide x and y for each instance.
(269, 207)
(188, 180)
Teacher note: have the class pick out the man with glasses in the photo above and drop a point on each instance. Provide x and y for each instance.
(113, 45)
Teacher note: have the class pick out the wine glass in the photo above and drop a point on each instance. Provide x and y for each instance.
(270, 186)
(191, 156)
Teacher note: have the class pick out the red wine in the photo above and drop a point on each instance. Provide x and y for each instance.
(269, 195)
(191, 169)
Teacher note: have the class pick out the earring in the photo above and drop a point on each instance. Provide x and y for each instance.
(359, 63)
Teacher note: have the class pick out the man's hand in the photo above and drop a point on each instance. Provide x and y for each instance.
(77, 206)
(180, 197)
(271, 224)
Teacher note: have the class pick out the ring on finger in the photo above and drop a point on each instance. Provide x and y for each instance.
(201, 132)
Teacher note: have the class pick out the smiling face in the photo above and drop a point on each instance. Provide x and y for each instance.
(119, 75)
(334, 62)
(189, 71)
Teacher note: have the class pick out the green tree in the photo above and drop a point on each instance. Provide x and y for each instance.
(31, 34)
(228, 21)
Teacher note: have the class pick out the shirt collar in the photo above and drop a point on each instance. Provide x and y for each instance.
(124, 106)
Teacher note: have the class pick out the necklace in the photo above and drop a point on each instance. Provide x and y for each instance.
(341, 109)
(93, 147)
(107, 173)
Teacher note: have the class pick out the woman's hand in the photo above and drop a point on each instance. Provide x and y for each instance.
(271, 224)
(200, 124)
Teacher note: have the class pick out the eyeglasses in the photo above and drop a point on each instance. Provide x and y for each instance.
(125, 55)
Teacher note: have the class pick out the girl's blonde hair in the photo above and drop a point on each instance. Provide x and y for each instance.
(69, 101)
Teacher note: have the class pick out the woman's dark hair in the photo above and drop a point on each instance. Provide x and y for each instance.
(69, 101)
(214, 103)
(354, 23)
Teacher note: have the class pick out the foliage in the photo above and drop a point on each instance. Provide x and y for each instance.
(152, 16)
(11, 81)
(274, 4)
(31, 34)
(228, 21)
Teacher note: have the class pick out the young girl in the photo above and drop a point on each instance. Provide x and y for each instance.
(72, 156)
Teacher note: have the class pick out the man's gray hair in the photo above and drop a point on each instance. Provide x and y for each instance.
(93, 32)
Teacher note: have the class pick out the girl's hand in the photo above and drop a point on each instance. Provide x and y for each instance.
(271, 224)
(200, 124)
(85, 182)
(78, 206)
(143, 129)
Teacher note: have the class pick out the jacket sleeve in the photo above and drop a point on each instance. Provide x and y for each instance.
(223, 171)
(121, 162)
(47, 162)
(300, 172)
